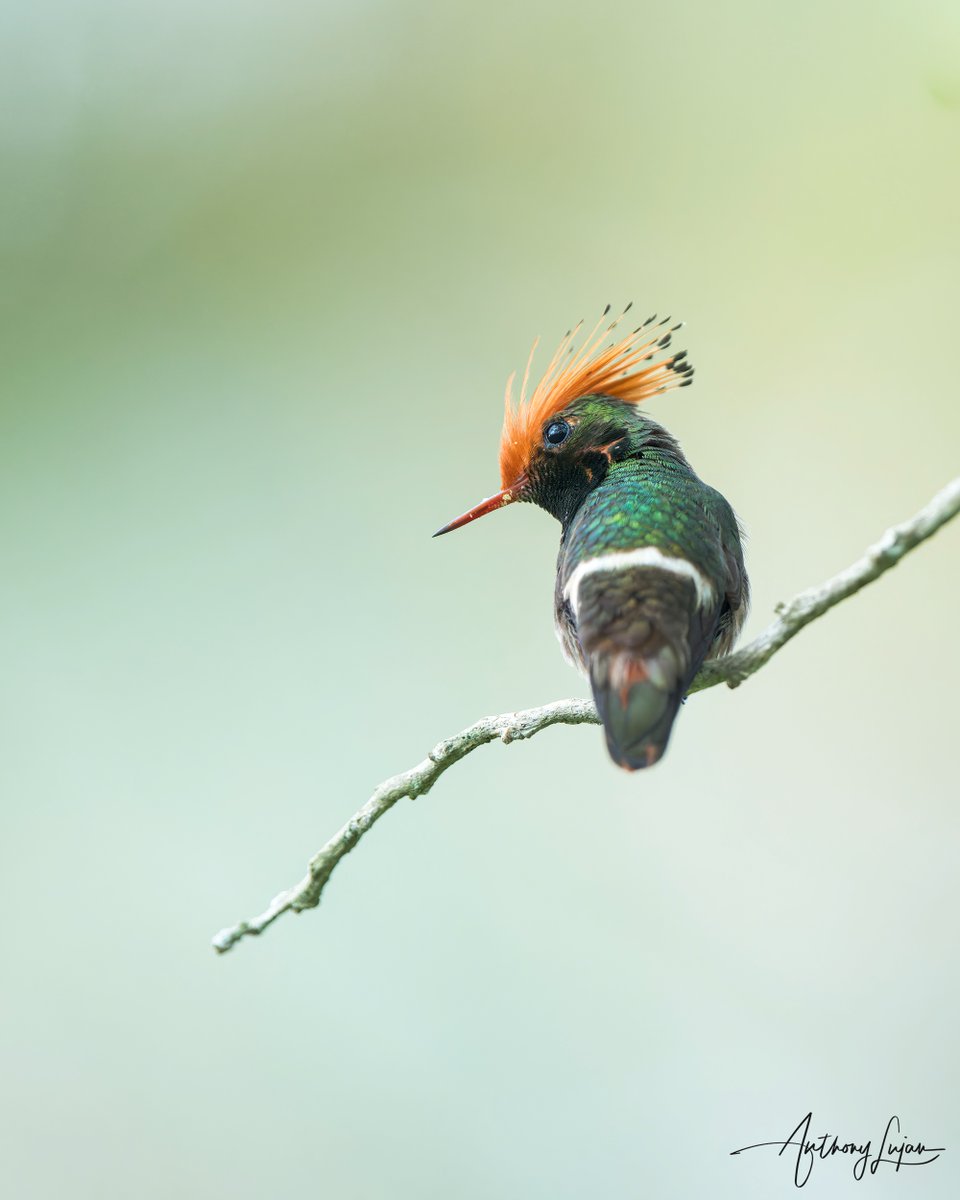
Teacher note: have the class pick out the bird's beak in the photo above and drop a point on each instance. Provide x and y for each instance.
(507, 496)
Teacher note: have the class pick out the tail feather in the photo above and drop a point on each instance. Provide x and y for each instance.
(644, 635)
(637, 699)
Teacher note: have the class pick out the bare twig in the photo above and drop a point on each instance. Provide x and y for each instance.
(517, 726)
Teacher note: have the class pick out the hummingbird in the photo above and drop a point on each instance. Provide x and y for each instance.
(650, 575)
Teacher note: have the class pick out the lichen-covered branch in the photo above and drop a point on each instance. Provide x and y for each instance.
(508, 727)
(514, 727)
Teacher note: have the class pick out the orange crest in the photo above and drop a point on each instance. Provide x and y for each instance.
(612, 371)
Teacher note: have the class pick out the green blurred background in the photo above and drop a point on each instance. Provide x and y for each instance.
(266, 269)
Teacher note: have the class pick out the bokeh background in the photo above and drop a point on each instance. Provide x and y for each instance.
(266, 269)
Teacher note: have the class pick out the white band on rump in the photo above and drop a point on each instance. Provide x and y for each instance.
(643, 556)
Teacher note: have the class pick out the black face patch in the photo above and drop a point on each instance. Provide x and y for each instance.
(596, 466)
(617, 451)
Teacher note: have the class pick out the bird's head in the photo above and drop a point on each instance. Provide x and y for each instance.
(558, 443)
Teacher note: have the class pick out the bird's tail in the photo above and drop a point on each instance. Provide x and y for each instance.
(644, 635)
(637, 697)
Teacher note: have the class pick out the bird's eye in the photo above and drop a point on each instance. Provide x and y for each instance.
(556, 432)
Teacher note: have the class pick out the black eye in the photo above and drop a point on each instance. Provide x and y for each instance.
(556, 432)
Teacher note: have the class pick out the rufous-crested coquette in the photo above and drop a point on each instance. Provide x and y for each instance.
(650, 576)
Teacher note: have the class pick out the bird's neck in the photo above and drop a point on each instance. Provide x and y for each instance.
(649, 449)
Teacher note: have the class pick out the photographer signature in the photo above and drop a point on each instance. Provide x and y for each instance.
(896, 1153)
